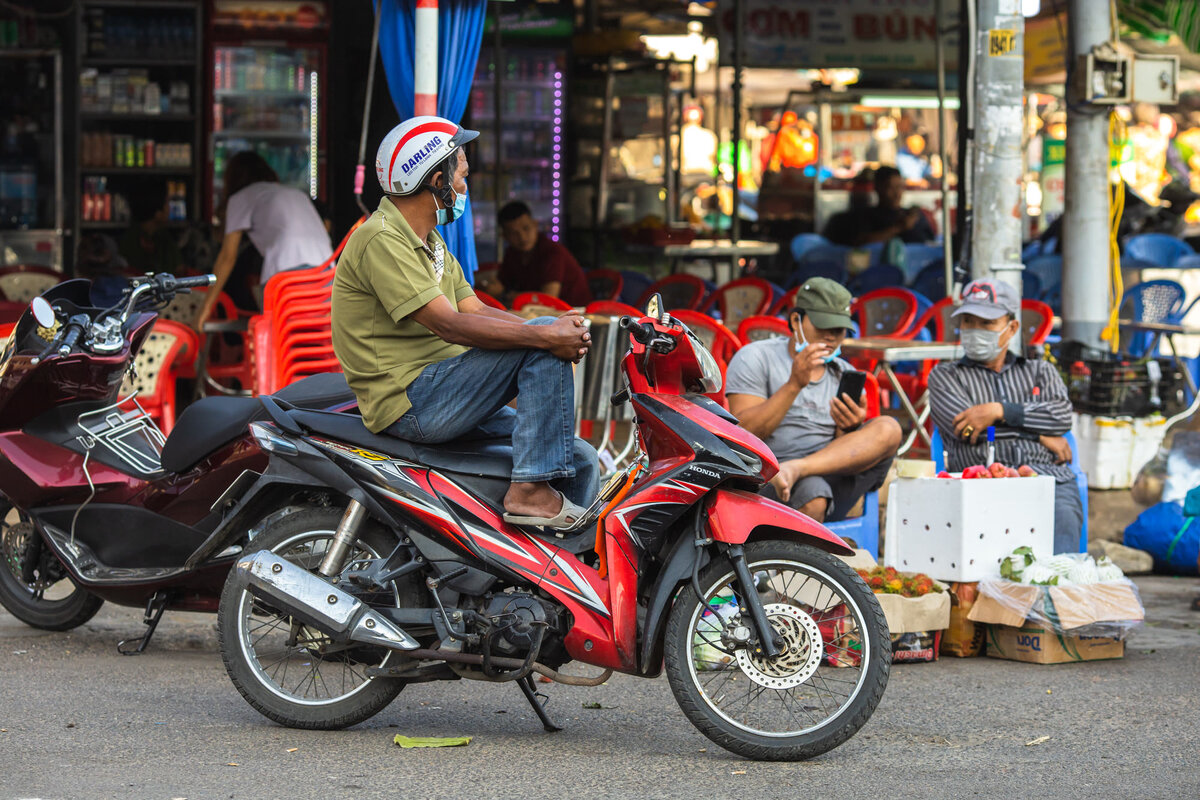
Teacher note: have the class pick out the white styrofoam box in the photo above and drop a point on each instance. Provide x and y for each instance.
(1104, 445)
(956, 530)
(1148, 433)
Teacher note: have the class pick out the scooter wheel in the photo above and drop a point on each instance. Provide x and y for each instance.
(830, 673)
(288, 671)
(52, 603)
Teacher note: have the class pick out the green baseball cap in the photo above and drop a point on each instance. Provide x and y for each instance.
(826, 301)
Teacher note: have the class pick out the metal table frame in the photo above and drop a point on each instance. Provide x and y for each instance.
(1169, 331)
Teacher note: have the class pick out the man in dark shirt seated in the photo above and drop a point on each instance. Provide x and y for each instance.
(535, 263)
(883, 221)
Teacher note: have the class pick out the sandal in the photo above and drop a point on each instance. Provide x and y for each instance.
(566, 517)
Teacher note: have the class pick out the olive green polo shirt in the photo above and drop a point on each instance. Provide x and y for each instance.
(385, 274)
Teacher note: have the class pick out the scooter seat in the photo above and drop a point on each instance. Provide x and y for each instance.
(484, 457)
(213, 422)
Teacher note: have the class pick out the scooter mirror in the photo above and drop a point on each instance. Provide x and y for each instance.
(654, 307)
(42, 312)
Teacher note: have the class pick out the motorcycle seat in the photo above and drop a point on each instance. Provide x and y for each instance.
(213, 422)
(484, 457)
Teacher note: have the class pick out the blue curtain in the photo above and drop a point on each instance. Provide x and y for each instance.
(460, 31)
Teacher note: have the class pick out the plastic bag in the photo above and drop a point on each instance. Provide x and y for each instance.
(1171, 538)
(707, 650)
(1183, 467)
(1110, 608)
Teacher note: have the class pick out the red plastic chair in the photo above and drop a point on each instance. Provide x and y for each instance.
(737, 300)
(168, 351)
(1037, 320)
(719, 340)
(489, 301)
(605, 284)
(612, 308)
(540, 299)
(885, 312)
(759, 327)
(21, 283)
(784, 304)
(677, 292)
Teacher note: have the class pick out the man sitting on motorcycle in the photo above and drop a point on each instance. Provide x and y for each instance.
(428, 361)
(785, 392)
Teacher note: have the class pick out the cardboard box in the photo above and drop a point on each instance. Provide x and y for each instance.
(963, 638)
(1037, 645)
(960, 530)
(930, 612)
(1003, 602)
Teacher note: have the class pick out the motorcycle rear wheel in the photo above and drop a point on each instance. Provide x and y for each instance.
(811, 698)
(54, 603)
(326, 689)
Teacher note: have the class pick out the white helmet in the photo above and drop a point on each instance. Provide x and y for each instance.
(414, 150)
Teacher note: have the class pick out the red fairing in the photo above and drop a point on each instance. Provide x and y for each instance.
(725, 429)
(735, 516)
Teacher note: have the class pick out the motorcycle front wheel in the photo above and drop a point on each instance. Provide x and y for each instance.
(814, 695)
(52, 601)
(290, 672)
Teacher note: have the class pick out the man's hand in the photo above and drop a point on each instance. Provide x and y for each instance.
(911, 216)
(806, 362)
(568, 336)
(1058, 447)
(205, 312)
(789, 473)
(976, 420)
(848, 414)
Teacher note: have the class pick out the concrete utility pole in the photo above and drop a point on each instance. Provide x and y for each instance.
(999, 81)
(425, 59)
(1085, 217)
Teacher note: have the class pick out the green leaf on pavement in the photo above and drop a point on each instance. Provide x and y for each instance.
(431, 741)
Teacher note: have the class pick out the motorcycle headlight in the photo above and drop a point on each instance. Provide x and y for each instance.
(710, 371)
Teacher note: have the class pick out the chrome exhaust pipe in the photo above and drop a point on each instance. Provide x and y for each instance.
(316, 602)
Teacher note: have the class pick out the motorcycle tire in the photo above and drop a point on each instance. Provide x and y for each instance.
(706, 664)
(253, 680)
(33, 608)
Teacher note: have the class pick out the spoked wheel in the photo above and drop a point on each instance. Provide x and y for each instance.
(822, 687)
(51, 601)
(291, 672)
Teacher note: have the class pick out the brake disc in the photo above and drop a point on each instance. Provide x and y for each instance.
(801, 650)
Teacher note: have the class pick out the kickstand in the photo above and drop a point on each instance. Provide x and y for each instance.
(532, 695)
(155, 607)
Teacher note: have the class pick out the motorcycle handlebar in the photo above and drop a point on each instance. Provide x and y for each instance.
(198, 282)
(74, 330)
(642, 334)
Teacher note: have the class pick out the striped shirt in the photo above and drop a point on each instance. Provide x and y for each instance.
(1035, 402)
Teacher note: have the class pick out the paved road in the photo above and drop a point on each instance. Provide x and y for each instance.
(81, 721)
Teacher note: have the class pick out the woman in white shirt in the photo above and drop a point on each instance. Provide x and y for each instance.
(281, 222)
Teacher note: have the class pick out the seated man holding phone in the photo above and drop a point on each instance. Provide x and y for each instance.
(808, 406)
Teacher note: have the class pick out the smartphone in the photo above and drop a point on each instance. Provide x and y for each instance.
(852, 383)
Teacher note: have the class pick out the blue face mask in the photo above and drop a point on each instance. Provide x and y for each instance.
(803, 343)
(447, 215)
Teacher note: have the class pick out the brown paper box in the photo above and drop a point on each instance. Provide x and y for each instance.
(963, 638)
(930, 612)
(1036, 645)
(1008, 603)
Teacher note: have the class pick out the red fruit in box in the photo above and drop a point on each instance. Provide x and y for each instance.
(944, 474)
(974, 472)
(998, 470)
(1026, 471)
(1009, 472)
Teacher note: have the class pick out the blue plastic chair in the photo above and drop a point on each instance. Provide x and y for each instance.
(863, 530)
(938, 452)
(877, 277)
(931, 281)
(1031, 286)
(919, 256)
(1151, 301)
(1189, 261)
(1161, 249)
(829, 252)
(876, 251)
(803, 242)
(1048, 270)
(633, 285)
(834, 270)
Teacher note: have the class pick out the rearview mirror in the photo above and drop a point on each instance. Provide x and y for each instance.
(654, 307)
(42, 312)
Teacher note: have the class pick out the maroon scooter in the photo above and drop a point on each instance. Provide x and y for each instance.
(95, 504)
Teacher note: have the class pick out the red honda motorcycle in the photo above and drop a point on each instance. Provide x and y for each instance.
(95, 504)
(406, 571)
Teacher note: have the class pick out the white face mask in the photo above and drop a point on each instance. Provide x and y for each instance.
(981, 344)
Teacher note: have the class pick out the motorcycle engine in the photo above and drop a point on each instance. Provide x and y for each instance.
(515, 619)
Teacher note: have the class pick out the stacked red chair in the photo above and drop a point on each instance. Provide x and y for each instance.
(742, 298)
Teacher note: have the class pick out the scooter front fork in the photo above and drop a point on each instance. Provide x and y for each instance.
(766, 634)
(343, 539)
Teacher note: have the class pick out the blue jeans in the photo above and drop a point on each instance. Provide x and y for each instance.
(467, 397)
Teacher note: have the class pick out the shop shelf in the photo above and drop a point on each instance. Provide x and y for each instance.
(254, 134)
(109, 116)
(259, 94)
(136, 170)
(116, 61)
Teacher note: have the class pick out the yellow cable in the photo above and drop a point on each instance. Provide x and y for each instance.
(1116, 288)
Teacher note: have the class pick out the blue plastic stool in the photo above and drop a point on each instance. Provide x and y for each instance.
(863, 530)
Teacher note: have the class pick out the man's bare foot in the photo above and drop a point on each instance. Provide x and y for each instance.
(532, 500)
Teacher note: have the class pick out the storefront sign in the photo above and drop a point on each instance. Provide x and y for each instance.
(1001, 42)
(1054, 175)
(1045, 50)
(877, 34)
